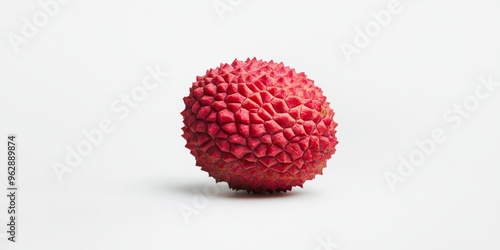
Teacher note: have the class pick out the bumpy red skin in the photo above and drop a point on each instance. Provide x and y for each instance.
(259, 126)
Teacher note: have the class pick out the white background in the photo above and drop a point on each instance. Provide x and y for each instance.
(127, 193)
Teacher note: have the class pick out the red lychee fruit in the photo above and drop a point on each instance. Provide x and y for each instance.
(259, 126)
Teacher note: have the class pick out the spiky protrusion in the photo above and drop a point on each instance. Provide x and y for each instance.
(259, 126)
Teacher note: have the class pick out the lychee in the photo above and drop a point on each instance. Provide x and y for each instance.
(259, 126)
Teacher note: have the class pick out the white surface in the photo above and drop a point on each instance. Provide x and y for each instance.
(126, 194)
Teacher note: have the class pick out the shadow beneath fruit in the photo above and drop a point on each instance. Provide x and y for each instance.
(232, 194)
(221, 189)
(212, 189)
(208, 189)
